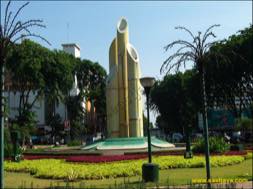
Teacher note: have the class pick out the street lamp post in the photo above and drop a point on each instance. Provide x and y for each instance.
(150, 171)
(188, 151)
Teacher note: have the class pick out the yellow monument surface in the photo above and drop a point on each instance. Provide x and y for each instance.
(123, 90)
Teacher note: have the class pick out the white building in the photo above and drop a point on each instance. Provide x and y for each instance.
(40, 105)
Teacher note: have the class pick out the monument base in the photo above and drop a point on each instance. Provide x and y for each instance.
(131, 144)
(150, 172)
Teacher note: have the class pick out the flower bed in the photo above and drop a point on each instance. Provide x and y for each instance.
(87, 159)
(98, 159)
(34, 157)
(60, 169)
(231, 153)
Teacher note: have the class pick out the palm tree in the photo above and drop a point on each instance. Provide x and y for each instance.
(196, 52)
(11, 31)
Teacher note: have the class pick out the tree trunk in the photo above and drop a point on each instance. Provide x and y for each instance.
(205, 122)
(20, 105)
(2, 123)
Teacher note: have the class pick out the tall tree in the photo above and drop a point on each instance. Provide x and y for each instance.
(58, 76)
(98, 88)
(167, 97)
(12, 30)
(230, 83)
(194, 51)
(33, 69)
(91, 79)
(24, 67)
(176, 98)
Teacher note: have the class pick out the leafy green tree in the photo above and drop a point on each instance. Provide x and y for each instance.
(91, 79)
(167, 96)
(176, 98)
(24, 70)
(230, 79)
(12, 30)
(57, 72)
(25, 126)
(47, 74)
(8, 147)
(178, 104)
(36, 70)
(98, 88)
(145, 124)
(91, 82)
(76, 116)
(59, 78)
(57, 127)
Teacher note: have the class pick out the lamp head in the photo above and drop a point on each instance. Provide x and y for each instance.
(147, 82)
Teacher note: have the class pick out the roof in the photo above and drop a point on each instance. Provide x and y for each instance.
(71, 45)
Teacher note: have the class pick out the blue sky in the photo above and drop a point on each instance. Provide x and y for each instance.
(92, 25)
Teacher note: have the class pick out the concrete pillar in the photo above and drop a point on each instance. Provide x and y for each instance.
(135, 109)
(122, 41)
(112, 106)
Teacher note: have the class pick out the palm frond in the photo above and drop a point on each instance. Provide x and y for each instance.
(211, 27)
(15, 16)
(30, 23)
(12, 30)
(8, 19)
(179, 42)
(195, 51)
(182, 57)
(5, 17)
(184, 28)
(210, 34)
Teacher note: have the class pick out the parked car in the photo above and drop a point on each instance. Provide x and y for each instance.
(177, 137)
(236, 137)
(41, 139)
(196, 136)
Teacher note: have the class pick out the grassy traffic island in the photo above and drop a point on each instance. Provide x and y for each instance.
(174, 170)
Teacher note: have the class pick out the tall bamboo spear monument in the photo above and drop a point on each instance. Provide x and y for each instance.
(124, 100)
(123, 92)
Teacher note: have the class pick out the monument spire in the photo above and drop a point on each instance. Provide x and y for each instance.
(122, 41)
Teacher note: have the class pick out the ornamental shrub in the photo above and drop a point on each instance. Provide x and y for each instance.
(237, 147)
(60, 169)
(249, 155)
(74, 143)
(216, 145)
(244, 124)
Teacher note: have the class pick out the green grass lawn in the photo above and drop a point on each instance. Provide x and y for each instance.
(181, 176)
